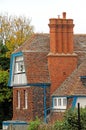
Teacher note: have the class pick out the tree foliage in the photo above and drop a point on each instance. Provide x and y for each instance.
(14, 31)
(5, 92)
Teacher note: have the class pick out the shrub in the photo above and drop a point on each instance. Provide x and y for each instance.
(58, 125)
(70, 121)
(34, 124)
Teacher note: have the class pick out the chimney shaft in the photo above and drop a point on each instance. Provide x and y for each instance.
(61, 35)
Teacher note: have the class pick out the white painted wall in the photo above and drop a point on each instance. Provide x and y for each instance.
(82, 101)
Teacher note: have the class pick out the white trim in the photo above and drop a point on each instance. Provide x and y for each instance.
(25, 99)
(59, 102)
(19, 75)
(18, 100)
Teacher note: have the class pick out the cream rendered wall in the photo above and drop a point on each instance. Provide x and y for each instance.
(82, 101)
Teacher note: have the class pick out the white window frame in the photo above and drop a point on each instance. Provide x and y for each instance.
(19, 75)
(18, 99)
(60, 103)
(25, 99)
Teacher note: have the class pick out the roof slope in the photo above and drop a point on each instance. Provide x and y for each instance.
(35, 52)
(73, 84)
(80, 47)
(40, 42)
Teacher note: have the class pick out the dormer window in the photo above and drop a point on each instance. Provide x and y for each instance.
(19, 75)
(17, 70)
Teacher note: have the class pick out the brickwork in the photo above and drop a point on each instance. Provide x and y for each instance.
(38, 99)
(35, 103)
(69, 102)
(61, 35)
(61, 59)
(60, 68)
(56, 116)
(22, 113)
(36, 67)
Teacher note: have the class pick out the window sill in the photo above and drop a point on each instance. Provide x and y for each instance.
(17, 108)
(58, 110)
(25, 108)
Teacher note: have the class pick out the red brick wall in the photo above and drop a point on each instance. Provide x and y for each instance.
(38, 99)
(60, 67)
(35, 103)
(69, 102)
(56, 116)
(22, 114)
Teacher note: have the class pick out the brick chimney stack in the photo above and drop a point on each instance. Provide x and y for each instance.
(61, 35)
(61, 59)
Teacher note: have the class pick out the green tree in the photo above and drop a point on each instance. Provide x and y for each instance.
(4, 61)
(5, 92)
(5, 97)
(13, 32)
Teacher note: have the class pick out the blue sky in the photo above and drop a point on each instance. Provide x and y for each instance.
(39, 11)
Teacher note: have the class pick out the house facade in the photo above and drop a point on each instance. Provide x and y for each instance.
(48, 73)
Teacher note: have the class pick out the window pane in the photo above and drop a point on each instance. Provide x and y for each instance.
(25, 99)
(59, 102)
(18, 99)
(19, 58)
(19, 67)
(55, 102)
(64, 102)
(20, 79)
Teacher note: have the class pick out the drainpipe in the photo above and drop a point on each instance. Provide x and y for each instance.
(45, 111)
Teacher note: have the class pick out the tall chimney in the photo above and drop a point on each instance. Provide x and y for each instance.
(61, 35)
(62, 60)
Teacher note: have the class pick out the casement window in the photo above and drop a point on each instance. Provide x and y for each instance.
(59, 102)
(18, 100)
(19, 76)
(25, 99)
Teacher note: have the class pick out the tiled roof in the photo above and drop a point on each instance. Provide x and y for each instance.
(73, 84)
(38, 42)
(80, 46)
(35, 53)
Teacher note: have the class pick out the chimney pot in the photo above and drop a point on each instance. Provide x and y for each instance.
(58, 16)
(64, 15)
